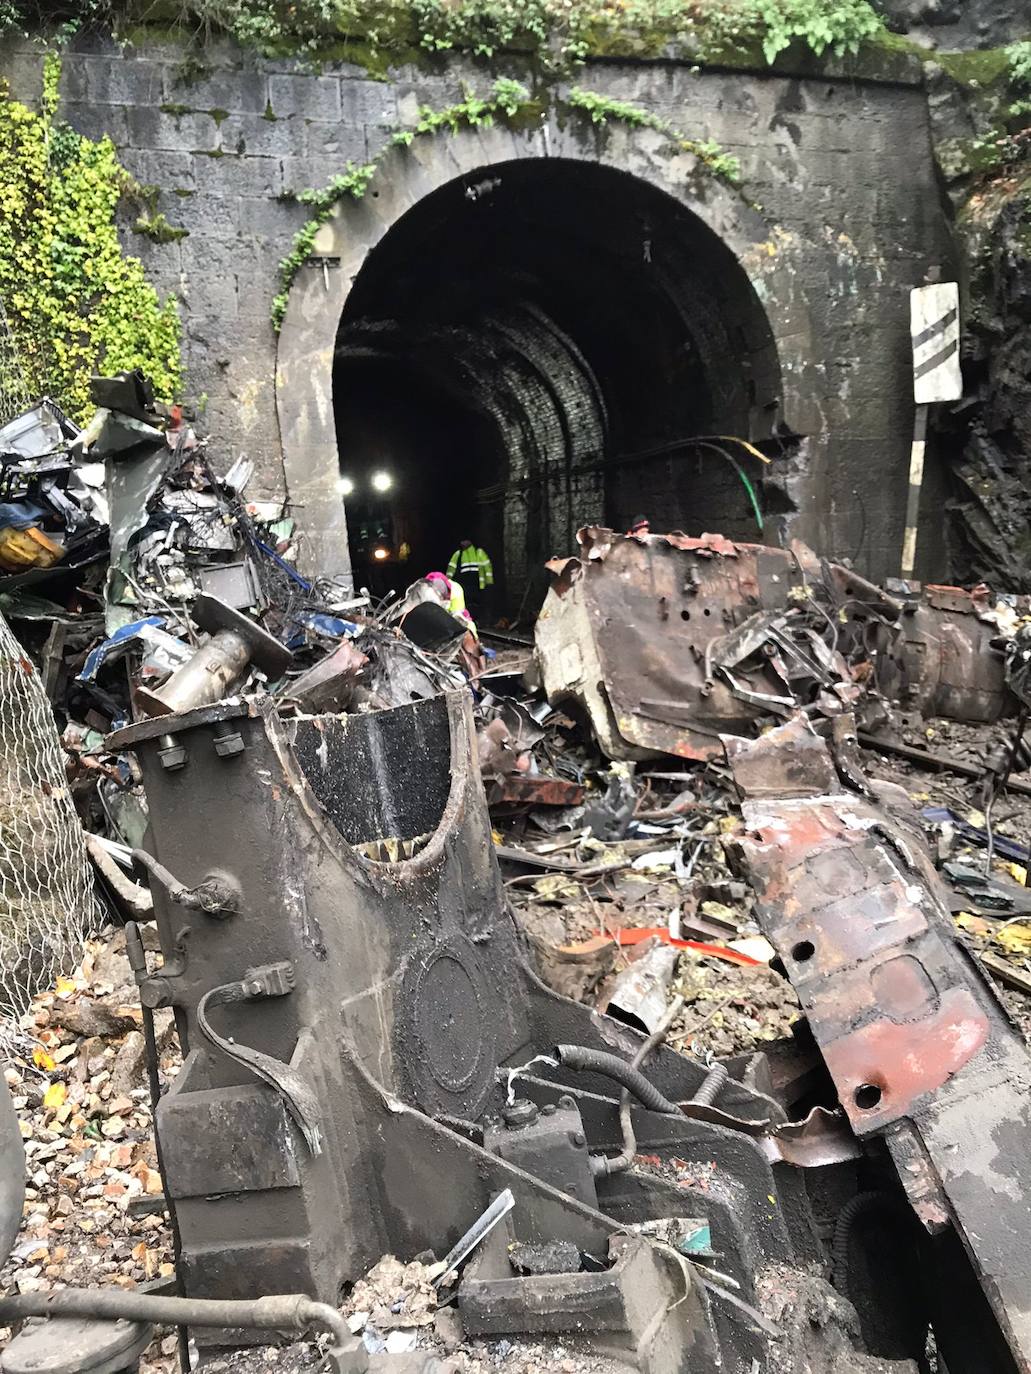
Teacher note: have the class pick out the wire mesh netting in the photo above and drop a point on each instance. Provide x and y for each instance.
(48, 904)
(14, 391)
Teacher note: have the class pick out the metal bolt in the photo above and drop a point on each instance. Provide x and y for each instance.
(172, 754)
(566, 1101)
(229, 744)
(578, 1138)
(521, 1112)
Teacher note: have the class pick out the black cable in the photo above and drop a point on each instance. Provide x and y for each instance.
(583, 1060)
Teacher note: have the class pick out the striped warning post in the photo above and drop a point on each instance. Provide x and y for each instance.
(934, 327)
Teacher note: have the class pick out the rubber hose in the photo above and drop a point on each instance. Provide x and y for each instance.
(293, 1312)
(712, 1086)
(856, 1207)
(583, 1060)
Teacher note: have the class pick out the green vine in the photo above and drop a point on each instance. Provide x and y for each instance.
(507, 100)
(561, 33)
(75, 303)
(601, 109)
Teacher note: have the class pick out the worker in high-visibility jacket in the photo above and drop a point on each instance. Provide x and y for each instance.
(471, 567)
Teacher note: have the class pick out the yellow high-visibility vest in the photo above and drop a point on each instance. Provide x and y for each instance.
(472, 560)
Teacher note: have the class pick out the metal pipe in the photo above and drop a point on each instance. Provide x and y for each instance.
(137, 899)
(603, 1165)
(583, 1060)
(292, 1312)
(210, 675)
(210, 896)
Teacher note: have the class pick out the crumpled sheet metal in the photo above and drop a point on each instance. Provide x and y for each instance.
(919, 1048)
(632, 628)
(668, 641)
(945, 651)
(861, 927)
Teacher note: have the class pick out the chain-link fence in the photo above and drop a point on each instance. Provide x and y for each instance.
(14, 391)
(48, 904)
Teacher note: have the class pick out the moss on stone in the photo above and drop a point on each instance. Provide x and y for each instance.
(977, 69)
(170, 108)
(157, 228)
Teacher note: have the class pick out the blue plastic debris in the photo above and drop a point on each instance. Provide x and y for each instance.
(118, 643)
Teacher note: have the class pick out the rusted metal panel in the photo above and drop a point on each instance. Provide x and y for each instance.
(668, 641)
(945, 646)
(630, 629)
(918, 1046)
(534, 789)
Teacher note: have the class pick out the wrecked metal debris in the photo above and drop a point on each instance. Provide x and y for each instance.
(667, 641)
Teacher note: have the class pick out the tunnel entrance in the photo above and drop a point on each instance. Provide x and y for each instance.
(539, 345)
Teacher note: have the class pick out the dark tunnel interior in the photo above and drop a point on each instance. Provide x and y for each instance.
(535, 347)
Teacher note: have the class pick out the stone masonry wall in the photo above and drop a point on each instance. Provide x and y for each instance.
(842, 170)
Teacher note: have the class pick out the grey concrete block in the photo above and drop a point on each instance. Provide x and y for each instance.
(368, 102)
(162, 261)
(151, 127)
(338, 143)
(210, 295)
(311, 97)
(124, 81)
(258, 217)
(215, 216)
(261, 137)
(171, 171)
(242, 91)
(304, 173)
(23, 73)
(99, 121)
(231, 176)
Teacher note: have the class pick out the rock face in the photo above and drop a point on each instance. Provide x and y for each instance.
(958, 23)
(980, 112)
(991, 511)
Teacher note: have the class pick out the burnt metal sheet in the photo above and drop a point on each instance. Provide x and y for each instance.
(668, 641)
(919, 1048)
(631, 627)
(403, 1000)
(945, 647)
(534, 789)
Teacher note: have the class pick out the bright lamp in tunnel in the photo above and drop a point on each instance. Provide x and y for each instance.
(380, 553)
(345, 486)
(382, 481)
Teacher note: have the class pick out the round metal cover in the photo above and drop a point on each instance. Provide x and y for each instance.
(448, 1010)
(76, 1345)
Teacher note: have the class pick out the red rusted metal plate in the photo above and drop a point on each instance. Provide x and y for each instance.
(534, 790)
(860, 928)
(628, 628)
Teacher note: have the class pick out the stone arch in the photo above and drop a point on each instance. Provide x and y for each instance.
(407, 178)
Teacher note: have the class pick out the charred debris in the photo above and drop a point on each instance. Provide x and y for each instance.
(597, 990)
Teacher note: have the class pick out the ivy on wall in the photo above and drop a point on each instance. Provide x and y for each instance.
(560, 32)
(508, 100)
(75, 303)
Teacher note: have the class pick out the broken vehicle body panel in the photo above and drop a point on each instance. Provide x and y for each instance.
(633, 628)
(348, 1023)
(668, 641)
(921, 1052)
(945, 646)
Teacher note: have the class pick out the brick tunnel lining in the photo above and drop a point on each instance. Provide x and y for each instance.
(515, 344)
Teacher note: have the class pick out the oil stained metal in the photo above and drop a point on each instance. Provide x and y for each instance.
(920, 1050)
